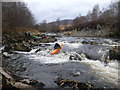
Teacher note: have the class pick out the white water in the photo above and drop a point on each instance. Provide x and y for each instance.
(103, 72)
(45, 57)
(107, 73)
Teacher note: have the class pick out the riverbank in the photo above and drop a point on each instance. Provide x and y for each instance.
(18, 40)
(104, 33)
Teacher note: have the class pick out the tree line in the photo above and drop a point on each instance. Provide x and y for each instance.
(104, 17)
(16, 14)
(43, 26)
(95, 19)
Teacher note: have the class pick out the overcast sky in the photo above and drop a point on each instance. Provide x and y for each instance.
(50, 10)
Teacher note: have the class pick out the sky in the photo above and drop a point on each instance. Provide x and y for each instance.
(51, 10)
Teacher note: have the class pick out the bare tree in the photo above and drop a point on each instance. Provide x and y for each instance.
(95, 12)
(114, 8)
(43, 26)
(16, 14)
(88, 16)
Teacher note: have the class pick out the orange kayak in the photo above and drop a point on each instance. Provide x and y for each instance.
(56, 50)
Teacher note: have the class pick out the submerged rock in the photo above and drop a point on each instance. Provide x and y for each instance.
(76, 74)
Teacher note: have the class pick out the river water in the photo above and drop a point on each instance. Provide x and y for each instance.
(39, 65)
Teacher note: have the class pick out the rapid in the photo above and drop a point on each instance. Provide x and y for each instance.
(87, 63)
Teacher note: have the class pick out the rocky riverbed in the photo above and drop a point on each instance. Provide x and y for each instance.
(81, 59)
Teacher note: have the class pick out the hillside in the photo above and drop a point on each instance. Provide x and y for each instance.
(62, 22)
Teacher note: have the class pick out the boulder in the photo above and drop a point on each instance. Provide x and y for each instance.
(85, 42)
(6, 55)
(75, 56)
(114, 53)
(93, 43)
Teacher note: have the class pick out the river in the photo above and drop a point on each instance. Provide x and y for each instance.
(39, 65)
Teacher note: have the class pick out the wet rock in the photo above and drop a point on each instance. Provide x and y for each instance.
(107, 60)
(38, 50)
(20, 43)
(2, 48)
(21, 47)
(10, 81)
(93, 43)
(75, 56)
(22, 69)
(33, 83)
(71, 57)
(85, 42)
(89, 42)
(1, 55)
(7, 48)
(74, 84)
(6, 55)
(72, 42)
(114, 53)
(83, 55)
(47, 40)
(6, 86)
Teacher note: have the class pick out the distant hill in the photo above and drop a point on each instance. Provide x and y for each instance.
(62, 22)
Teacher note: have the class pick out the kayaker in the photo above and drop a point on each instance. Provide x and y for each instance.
(44, 36)
(57, 46)
(27, 35)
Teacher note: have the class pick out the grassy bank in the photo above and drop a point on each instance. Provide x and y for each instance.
(106, 33)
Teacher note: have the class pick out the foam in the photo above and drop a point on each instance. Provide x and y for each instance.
(108, 73)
